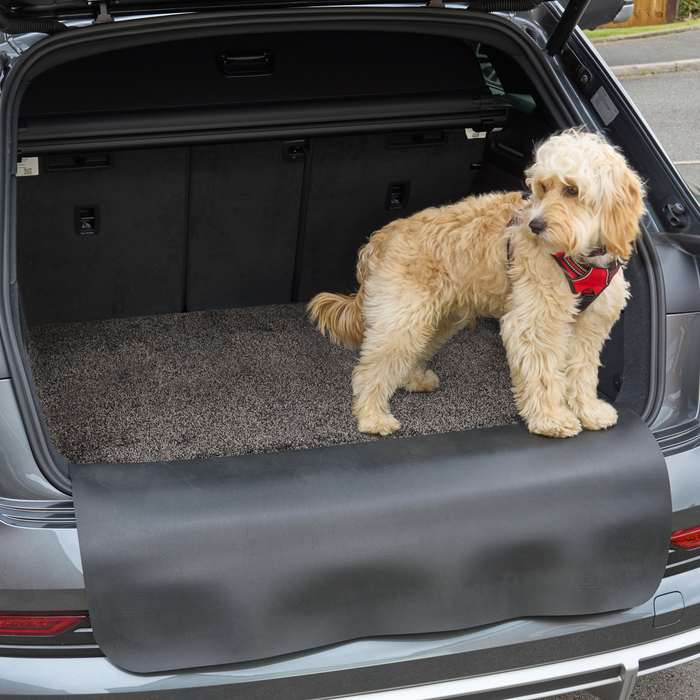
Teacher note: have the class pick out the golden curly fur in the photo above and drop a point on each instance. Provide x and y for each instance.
(425, 277)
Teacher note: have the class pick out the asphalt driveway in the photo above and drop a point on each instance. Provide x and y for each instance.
(679, 46)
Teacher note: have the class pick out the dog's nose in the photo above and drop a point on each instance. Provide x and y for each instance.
(537, 226)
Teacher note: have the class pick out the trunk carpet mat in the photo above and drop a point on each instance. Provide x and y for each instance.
(238, 381)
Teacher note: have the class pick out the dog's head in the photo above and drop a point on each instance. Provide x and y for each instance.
(584, 196)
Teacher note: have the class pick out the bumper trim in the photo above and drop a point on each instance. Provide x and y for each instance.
(610, 676)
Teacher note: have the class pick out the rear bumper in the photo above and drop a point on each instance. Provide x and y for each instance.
(405, 668)
(605, 653)
(612, 674)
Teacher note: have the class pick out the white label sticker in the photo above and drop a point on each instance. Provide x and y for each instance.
(604, 105)
(471, 134)
(28, 166)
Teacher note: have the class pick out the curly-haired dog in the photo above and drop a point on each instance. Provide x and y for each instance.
(536, 264)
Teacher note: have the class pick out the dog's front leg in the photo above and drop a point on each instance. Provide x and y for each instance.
(590, 330)
(536, 338)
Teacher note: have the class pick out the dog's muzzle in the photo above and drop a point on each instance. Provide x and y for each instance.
(537, 226)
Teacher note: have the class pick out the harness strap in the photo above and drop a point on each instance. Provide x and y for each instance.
(586, 281)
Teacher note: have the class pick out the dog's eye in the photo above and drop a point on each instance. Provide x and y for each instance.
(571, 191)
(544, 189)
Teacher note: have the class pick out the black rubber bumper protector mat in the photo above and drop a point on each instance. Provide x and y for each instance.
(216, 561)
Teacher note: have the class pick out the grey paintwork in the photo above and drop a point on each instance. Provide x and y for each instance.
(683, 286)
(46, 571)
(682, 370)
(20, 476)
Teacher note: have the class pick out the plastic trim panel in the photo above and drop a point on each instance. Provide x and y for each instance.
(37, 514)
(611, 674)
(616, 672)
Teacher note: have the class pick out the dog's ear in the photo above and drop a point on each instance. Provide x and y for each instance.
(622, 208)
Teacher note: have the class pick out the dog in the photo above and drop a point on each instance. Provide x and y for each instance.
(549, 265)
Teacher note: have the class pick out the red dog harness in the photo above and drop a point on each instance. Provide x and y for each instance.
(586, 281)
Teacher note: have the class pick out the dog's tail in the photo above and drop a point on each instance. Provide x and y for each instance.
(341, 316)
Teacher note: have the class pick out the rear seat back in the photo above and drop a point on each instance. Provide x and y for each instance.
(130, 263)
(243, 220)
(222, 226)
(361, 183)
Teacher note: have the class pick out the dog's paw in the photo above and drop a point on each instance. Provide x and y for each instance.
(382, 424)
(427, 381)
(596, 415)
(558, 425)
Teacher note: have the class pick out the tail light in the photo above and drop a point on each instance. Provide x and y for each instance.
(36, 625)
(687, 539)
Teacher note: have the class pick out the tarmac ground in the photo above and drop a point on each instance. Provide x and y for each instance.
(646, 55)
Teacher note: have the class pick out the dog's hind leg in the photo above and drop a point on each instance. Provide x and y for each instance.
(421, 379)
(590, 331)
(389, 359)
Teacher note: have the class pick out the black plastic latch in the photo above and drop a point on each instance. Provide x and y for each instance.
(294, 150)
(415, 139)
(675, 214)
(245, 64)
(577, 70)
(85, 161)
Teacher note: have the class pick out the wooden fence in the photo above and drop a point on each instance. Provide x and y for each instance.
(649, 12)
